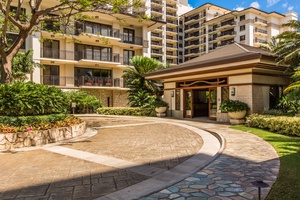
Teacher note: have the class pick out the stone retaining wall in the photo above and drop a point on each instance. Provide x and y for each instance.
(40, 137)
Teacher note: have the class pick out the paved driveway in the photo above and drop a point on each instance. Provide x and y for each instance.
(127, 158)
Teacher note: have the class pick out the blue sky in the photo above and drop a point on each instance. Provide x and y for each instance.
(281, 6)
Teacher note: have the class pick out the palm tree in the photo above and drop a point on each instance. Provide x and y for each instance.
(140, 88)
(288, 52)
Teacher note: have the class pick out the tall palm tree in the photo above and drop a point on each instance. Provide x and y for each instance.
(140, 88)
(288, 52)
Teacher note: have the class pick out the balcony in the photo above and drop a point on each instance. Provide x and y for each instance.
(259, 42)
(131, 40)
(226, 25)
(156, 2)
(157, 52)
(156, 36)
(88, 54)
(224, 43)
(57, 54)
(96, 81)
(159, 11)
(226, 35)
(157, 44)
(261, 22)
(258, 31)
(171, 7)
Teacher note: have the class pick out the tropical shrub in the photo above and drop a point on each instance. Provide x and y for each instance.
(233, 106)
(85, 103)
(12, 124)
(28, 98)
(160, 103)
(133, 111)
(275, 112)
(279, 124)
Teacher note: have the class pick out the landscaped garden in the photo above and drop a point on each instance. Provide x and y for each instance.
(33, 114)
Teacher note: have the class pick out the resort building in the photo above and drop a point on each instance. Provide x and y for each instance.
(237, 71)
(91, 54)
(164, 39)
(209, 27)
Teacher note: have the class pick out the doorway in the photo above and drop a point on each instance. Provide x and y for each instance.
(201, 103)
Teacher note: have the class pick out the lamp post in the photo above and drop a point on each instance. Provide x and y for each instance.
(259, 184)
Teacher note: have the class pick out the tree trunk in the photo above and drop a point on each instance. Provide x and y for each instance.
(6, 69)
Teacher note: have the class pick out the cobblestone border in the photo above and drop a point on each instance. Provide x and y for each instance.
(40, 137)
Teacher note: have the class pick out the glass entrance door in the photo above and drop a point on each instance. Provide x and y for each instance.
(188, 103)
(213, 103)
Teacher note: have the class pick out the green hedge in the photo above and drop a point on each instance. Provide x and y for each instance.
(28, 98)
(133, 111)
(278, 124)
(30, 120)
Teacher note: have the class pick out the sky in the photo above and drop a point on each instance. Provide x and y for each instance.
(281, 6)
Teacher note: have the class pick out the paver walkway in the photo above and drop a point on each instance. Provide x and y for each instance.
(86, 168)
(246, 158)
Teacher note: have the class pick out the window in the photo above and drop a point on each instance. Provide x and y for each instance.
(180, 60)
(22, 15)
(180, 45)
(180, 53)
(93, 53)
(242, 18)
(242, 28)
(274, 96)
(12, 37)
(180, 30)
(51, 75)
(127, 55)
(128, 35)
(180, 37)
(89, 76)
(93, 28)
(51, 49)
(242, 38)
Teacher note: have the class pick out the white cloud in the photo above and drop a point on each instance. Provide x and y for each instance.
(285, 5)
(255, 4)
(239, 8)
(290, 8)
(272, 2)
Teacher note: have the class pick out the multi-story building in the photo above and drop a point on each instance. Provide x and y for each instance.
(209, 27)
(91, 54)
(164, 39)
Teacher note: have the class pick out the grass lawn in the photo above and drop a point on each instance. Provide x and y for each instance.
(287, 185)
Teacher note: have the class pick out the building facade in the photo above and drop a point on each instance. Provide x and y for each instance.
(90, 54)
(164, 39)
(237, 71)
(209, 27)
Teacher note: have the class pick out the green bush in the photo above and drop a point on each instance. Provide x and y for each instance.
(29, 120)
(278, 124)
(233, 106)
(132, 111)
(275, 112)
(23, 99)
(85, 103)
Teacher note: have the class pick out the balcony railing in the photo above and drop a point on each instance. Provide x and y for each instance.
(230, 23)
(227, 33)
(258, 30)
(155, 35)
(155, 43)
(257, 40)
(256, 19)
(156, 10)
(99, 56)
(131, 40)
(171, 6)
(156, 51)
(171, 22)
(170, 45)
(225, 43)
(57, 54)
(171, 14)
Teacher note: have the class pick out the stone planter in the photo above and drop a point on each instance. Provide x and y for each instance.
(237, 115)
(40, 137)
(161, 111)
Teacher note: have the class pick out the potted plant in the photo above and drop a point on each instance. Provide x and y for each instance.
(160, 107)
(236, 109)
